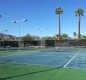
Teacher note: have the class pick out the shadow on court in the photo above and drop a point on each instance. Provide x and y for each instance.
(30, 73)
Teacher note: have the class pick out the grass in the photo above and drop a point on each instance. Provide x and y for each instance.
(12, 71)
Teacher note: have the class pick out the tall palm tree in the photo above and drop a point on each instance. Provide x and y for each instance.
(79, 12)
(59, 11)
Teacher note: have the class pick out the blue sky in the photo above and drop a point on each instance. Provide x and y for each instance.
(41, 14)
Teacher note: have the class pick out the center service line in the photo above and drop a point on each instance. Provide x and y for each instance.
(72, 58)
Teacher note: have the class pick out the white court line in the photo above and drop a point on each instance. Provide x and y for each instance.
(72, 58)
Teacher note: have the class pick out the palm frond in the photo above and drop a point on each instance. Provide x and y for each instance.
(59, 10)
(79, 12)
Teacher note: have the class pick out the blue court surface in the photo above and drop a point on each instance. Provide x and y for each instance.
(58, 57)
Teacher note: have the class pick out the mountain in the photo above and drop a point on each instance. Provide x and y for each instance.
(7, 37)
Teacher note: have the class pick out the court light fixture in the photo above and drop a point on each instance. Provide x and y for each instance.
(22, 20)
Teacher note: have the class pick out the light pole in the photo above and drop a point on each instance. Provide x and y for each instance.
(41, 36)
(23, 20)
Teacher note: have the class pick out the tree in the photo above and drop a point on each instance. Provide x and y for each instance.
(59, 11)
(55, 37)
(75, 34)
(83, 36)
(64, 36)
(26, 38)
(79, 12)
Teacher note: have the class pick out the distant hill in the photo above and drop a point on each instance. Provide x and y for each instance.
(7, 37)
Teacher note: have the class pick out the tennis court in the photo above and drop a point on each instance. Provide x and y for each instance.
(59, 59)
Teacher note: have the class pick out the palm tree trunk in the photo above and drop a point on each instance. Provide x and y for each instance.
(59, 27)
(79, 28)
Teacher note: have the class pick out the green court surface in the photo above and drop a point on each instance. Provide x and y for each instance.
(13, 71)
(10, 52)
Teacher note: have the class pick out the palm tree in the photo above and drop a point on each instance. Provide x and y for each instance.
(59, 11)
(75, 34)
(79, 13)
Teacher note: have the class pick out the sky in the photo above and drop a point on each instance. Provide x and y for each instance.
(40, 14)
